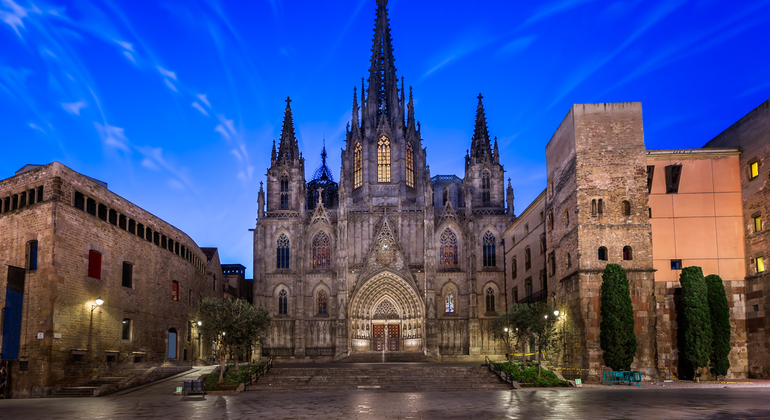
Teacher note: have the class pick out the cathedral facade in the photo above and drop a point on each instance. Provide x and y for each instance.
(390, 258)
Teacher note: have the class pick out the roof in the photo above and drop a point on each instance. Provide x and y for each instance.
(209, 253)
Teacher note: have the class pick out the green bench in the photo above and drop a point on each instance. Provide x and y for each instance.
(623, 377)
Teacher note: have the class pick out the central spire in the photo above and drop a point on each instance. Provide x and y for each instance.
(383, 83)
(481, 147)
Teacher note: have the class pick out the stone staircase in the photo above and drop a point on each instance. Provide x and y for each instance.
(119, 380)
(396, 377)
(387, 357)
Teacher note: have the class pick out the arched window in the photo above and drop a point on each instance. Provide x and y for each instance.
(593, 208)
(601, 206)
(626, 208)
(284, 192)
(527, 258)
(490, 300)
(602, 254)
(488, 250)
(409, 165)
(448, 251)
(283, 302)
(282, 252)
(627, 254)
(514, 268)
(449, 302)
(357, 170)
(383, 160)
(322, 303)
(321, 251)
(486, 186)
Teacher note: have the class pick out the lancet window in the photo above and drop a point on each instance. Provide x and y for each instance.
(485, 188)
(357, 170)
(282, 252)
(284, 192)
(490, 299)
(322, 301)
(448, 244)
(409, 165)
(449, 302)
(321, 251)
(488, 250)
(383, 160)
(283, 302)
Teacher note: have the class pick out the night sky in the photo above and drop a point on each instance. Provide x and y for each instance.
(175, 104)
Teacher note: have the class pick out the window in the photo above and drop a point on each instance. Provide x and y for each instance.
(550, 221)
(673, 174)
(528, 286)
(552, 263)
(79, 201)
(601, 206)
(526, 227)
(650, 172)
(90, 206)
(602, 254)
(94, 265)
(757, 223)
(282, 252)
(515, 293)
(594, 211)
(102, 212)
(128, 279)
(409, 165)
(175, 290)
(753, 170)
(449, 302)
(32, 255)
(514, 268)
(357, 170)
(569, 260)
(490, 300)
(321, 251)
(760, 264)
(541, 217)
(627, 255)
(626, 208)
(446, 196)
(126, 329)
(566, 217)
(488, 250)
(485, 189)
(448, 249)
(383, 160)
(542, 244)
(527, 258)
(283, 302)
(322, 303)
(676, 264)
(284, 192)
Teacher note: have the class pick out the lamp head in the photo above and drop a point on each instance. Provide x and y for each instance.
(555, 313)
(99, 301)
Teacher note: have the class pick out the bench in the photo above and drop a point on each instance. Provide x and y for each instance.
(193, 387)
(623, 377)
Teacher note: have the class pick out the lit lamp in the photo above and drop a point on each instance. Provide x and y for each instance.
(98, 302)
(200, 323)
(555, 313)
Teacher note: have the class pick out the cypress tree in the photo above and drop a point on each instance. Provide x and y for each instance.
(616, 336)
(720, 325)
(697, 318)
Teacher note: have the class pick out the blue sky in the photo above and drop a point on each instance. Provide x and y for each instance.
(176, 103)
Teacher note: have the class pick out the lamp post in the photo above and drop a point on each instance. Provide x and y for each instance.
(97, 303)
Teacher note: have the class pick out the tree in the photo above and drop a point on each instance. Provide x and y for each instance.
(616, 334)
(231, 324)
(544, 330)
(720, 325)
(697, 318)
(516, 325)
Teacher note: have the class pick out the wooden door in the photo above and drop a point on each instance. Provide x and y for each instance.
(378, 335)
(393, 338)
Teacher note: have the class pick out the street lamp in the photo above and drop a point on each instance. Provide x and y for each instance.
(200, 323)
(98, 302)
(556, 313)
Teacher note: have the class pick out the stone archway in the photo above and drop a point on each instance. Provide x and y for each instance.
(386, 313)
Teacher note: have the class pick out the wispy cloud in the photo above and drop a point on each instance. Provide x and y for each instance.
(14, 15)
(125, 45)
(36, 128)
(170, 85)
(517, 45)
(198, 106)
(551, 10)
(166, 73)
(113, 136)
(74, 107)
(202, 97)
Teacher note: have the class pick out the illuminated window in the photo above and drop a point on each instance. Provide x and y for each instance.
(321, 251)
(284, 192)
(383, 160)
(449, 302)
(757, 223)
(282, 252)
(753, 170)
(490, 300)
(488, 250)
(126, 335)
(283, 302)
(485, 189)
(357, 177)
(94, 265)
(409, 165)
(175, 290)
(322, 303)
(448, 252)
(760, 264)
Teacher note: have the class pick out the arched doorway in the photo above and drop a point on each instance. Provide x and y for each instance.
(386, 314)
(171, 343)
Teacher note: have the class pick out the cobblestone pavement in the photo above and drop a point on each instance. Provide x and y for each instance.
(585, 403)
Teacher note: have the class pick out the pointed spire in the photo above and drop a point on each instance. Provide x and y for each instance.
(288, 150)
(272, 156)
(383, 83)
(410, 122)
(497, 152)
(480, 145)
(355, 109)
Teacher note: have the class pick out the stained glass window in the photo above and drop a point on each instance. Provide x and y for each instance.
(409, 165)
(485, 188)
(357, 170)
(448, 251)
(283, 302)
(282, 252)
(321, 251)
(383, 160)
(322, 303)
(386, 250)
(449, 301)
(488, 250)
(490, 300)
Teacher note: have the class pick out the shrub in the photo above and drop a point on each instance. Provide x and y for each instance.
(697, 318)
(616, 334)
(720, 326)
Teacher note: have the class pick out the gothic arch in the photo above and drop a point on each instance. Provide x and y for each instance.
(457, 231)
(319, 291)
(309, 244)
(278, 296)
(384, 284)
(498, 299)
(449, 286)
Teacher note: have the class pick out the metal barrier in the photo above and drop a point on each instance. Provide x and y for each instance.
(500, 373)
(623, 377)
(262, 372)
(194, 386)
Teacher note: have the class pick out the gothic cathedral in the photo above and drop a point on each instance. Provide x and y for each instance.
(390, 259)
